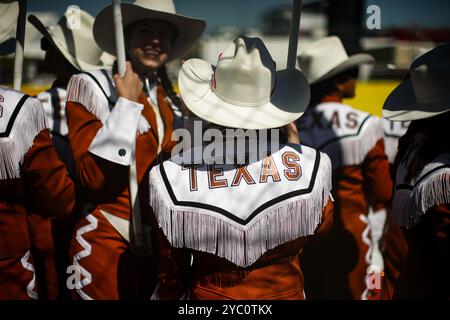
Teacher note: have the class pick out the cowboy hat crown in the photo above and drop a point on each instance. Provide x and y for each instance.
(74, 41)
(9, 11)
(244, 90)
(426, 92)
(327, 57)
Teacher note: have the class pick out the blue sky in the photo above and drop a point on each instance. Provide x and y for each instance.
(246, 13)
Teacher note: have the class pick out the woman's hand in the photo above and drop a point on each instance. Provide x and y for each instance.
(129, 86)
(292, 133)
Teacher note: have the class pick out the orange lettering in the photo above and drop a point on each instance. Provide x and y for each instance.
(294, 171)
(192, 175)
(242, 172)
(213, 173)
(335, 120)
(269, 169)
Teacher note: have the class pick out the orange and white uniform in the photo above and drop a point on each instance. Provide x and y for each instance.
(32, 179)
(336, 267)
(42, 230)
(395, 247)
(243, 225)
(422, 208)
(107, 134)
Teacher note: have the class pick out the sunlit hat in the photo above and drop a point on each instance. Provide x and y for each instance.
(426, 92)
(189, 29)
(9, 11)
(74, 40)
(327, 57)
(244, 90)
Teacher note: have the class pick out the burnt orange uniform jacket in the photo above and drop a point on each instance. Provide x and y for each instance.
(49, 238)
(109, 270)
(335, 268)
(421, 206)
(42, 186)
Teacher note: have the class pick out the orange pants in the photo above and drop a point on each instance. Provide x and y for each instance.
(43, 252)
(109, 271)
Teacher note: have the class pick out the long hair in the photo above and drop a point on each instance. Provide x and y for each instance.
(167, 86)
(428, 138)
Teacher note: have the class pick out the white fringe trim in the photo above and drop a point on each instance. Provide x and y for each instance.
(434, 190)
(198, 229)
(29, 123)
(353, 150)
(83, 90)
(409, 206)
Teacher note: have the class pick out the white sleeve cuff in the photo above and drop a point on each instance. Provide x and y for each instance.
(116, 140)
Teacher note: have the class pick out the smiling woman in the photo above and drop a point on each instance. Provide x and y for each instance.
(149, 44)
(116, 121)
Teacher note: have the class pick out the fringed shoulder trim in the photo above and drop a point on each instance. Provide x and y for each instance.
(430, 188)
(25, 123)
(84, 89)
(204, 230)
(433, 189)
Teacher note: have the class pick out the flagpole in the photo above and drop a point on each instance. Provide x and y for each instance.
(20, 44)
(120, 42)
(137, 241)
(293, 37)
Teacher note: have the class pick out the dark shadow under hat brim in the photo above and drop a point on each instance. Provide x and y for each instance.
(8, 47)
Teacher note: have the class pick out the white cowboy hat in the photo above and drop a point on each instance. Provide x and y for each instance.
(75, 42)
(189, 29)
(426, 93)
(244, 90)
(9, 11)
(327, 57)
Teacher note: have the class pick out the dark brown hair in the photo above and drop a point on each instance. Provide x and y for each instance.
(323, 88)
(434, 139)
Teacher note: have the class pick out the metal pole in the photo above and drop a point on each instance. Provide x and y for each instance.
(137, 227)
(120, 43)
(293, 37)
(20, 44)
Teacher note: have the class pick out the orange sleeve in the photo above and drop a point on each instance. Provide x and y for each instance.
(47, 186)
(377, 176)
(327, 219)
(92, 171)
(173, 270)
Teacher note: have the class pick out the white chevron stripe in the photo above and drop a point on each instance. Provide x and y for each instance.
(87, 276)
(375, 224)
(28, 266)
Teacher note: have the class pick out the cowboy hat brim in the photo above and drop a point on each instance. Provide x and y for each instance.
(289, 99)
(401, 105)
(7, 47)
(189, 29)
(9, 16)
(77, 63)
(352, 62)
